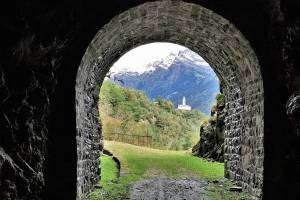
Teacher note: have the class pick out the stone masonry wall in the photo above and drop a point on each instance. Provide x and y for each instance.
(216, 40)
(43, 156)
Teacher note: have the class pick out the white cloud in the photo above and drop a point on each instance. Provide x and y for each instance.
(136, 60)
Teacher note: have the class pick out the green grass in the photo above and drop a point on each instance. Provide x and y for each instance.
(221, 191)
(109, 170)
(112, 187)
(144, 163)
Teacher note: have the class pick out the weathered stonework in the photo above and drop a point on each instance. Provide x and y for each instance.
(209, 35)
(42, 45)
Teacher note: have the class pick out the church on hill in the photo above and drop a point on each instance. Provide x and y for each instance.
(184, 106)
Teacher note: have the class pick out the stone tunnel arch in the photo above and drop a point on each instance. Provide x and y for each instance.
(209, 35)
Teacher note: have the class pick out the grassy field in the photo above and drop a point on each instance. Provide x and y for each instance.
(146, 162)
(143, 163)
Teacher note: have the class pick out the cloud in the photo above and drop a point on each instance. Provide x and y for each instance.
(136, 60)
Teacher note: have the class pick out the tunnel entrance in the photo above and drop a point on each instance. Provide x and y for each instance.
(157, 95)
(152, 104)
(209, 35)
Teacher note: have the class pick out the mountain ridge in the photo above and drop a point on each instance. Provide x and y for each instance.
(185, 74)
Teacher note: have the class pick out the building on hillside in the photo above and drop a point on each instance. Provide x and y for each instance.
(184, 106)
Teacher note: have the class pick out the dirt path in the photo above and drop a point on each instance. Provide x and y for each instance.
(168, 189)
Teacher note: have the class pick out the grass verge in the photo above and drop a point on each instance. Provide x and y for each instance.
(143, 163)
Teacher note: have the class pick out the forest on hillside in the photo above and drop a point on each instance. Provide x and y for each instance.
(129, 111)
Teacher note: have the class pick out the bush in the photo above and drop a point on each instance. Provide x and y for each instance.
(126, 110)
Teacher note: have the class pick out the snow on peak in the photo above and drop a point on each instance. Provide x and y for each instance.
(182, 55)
(190, 56)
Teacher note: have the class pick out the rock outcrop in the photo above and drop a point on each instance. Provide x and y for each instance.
(211, 141)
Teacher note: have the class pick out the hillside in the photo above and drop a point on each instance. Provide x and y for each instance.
(129, 111)
(175, 76)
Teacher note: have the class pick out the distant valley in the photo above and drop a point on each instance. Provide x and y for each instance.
(177, 75)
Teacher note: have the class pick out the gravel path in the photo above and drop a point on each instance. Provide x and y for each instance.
(168, 189)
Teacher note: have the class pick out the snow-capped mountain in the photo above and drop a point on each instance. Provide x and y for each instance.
(177, 75)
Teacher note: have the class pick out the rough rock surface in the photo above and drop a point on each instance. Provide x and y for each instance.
(211, 143)
(42, 45)
(167, 189)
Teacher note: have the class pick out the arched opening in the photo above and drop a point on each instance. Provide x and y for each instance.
(146, 87)
(205, 33)
(152, 104)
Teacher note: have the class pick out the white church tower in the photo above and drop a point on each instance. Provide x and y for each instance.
(184, 106)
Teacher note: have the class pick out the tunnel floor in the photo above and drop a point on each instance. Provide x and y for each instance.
(168, 189)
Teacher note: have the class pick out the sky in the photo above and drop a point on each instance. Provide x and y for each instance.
(136, 59)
